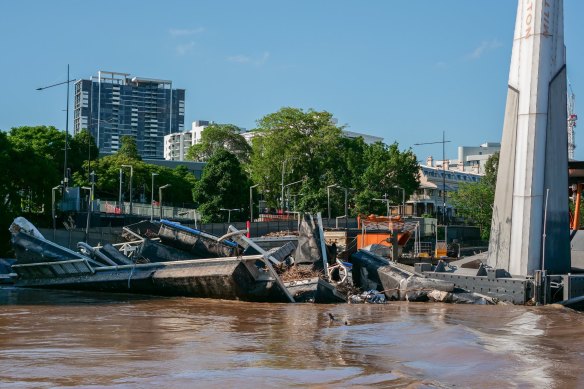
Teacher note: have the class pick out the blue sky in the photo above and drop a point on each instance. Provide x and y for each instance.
(403, 70)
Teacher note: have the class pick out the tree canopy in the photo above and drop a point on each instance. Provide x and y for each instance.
(107, 171)
(474, 201)
(291, 146)
(220, 136)
(309, 148)
(224, 185)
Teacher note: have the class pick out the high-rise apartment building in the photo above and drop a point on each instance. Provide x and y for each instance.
(112, 105)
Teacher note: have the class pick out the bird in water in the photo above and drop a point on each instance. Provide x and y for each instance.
(332, 318)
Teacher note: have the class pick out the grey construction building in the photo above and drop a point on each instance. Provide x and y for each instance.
(112, 105)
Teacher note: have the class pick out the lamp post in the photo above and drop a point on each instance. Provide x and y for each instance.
(131, 176)
(251, 202)
(347, 205)
(286, 186)
(120, 193)
(386, 201)
(69, 81)
(92, 180)
(229, 210)
(328, 198)
(53, 210)
(152, 198)
(443, 141)
(90, 189)
(160, 197)
(403, 212)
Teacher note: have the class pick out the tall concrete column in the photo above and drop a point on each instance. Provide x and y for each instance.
(534, 149)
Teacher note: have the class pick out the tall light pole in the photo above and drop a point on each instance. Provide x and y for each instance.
(347, 205)
(443, 141)
(229, 210)
(251, 202)
(120, 192)
(69, 81)
(131, 176)
(152, 198)
(286, 186)
(160, 197)
(403, 212)
(90, 189)
(386, 201)
(328, 198)
(53, 210)
(283, 170)
(92, 180)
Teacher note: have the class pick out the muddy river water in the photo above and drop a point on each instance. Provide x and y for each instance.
(70, 339)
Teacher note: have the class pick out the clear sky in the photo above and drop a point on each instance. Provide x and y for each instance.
(403, 70)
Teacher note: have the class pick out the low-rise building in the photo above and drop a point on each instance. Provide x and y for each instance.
(434, 180)
(473, 158)
(177, 144)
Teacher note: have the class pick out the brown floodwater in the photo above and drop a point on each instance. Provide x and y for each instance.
(72, 339)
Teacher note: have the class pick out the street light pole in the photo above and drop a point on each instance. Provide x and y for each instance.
(160, 197)
(403, 212)
(92, 175)
(152, 198)
(229, 210)
(53, 209)
(131, 176)
(120, 193)
(90, 189)
(283, 170)
(251, 202)
(68, 82)
(443, 141)
(328, 198)
(286, 186)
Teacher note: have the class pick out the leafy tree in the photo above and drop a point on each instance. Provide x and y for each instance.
(9, 191)
(82, 149)
(222, 185)
(107, 171)
(388, 169)
(36, 165)
(217, 136)
(474, 201)
(128, 148)
(294, 145)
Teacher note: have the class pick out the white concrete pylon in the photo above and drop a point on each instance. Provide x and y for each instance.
(534, 153)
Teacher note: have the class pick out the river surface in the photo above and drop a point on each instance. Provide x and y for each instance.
(72, 339)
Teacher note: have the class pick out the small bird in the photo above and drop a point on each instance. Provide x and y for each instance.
(332, 317)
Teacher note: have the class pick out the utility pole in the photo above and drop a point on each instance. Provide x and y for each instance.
(443, 141)
(251, 202)
(65, 169)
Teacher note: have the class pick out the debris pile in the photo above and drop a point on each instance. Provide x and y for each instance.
(163, 257)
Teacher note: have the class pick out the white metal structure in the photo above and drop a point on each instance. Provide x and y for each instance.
(572, 118)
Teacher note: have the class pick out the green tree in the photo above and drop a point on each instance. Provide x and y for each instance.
(217, 136)
(388, 171)
(107, 171)
(474, 201)
(128, 148)
(9, 190)
(222, 185)
(294, 145)
(82, 149)
(36, 165)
